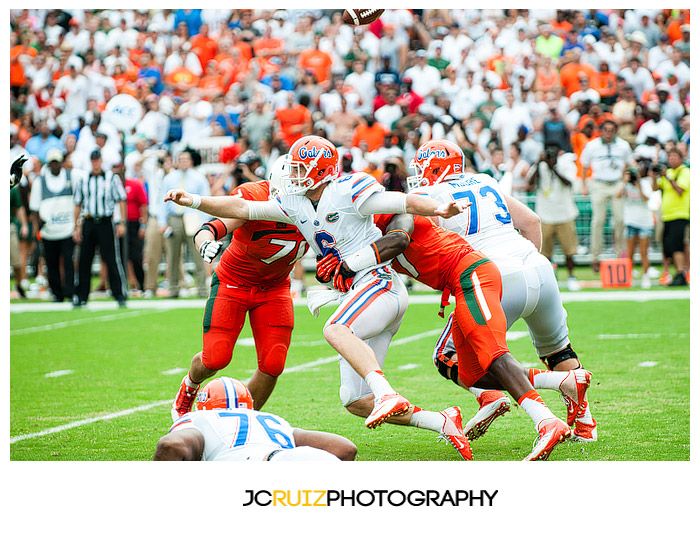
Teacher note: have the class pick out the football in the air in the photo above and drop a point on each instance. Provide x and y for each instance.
(358, 17)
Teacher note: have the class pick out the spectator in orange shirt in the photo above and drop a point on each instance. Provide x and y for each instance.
(570, 70)
(598, 116)
(17, 76)
(316, 61)
(369, 132)
(181, 79)
(579, 139)
(204, 46)
(245, 49)
(294, 121)
(605, 83)
(213, 82)
(267, 45)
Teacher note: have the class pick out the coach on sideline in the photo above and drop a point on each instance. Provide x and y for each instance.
(95, 197)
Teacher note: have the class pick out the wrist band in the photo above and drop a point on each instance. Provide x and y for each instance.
(196, 200)
(366, 257)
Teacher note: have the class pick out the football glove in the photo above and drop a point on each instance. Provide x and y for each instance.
(342, 279)
(210, 249)
(325, 267)
(16, 170)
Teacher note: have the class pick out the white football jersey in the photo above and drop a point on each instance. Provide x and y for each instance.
(486, 224)
(226, 431)
(336, 223)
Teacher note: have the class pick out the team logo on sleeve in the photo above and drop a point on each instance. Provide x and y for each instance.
(332, 217)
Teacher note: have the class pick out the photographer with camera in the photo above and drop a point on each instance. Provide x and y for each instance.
(249, 168)
(675, 213)
(553, 179)
(635, 190)
(394, 177)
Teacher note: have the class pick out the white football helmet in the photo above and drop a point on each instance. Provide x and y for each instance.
(278, 173)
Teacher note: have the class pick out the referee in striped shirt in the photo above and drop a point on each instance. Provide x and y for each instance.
(95, 198)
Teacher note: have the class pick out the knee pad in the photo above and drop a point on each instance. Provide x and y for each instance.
(564, 354)
(273, 360)
(217, 351)
(447, 366)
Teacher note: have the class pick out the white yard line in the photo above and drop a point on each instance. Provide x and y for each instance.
(145, 407)
(79, 322)
(165, 304)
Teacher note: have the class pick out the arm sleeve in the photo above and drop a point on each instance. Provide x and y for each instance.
(382, 202)
(268, 210)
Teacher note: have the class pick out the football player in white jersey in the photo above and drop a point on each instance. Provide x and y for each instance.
(225, 427)
(334, 213)
(530, 289)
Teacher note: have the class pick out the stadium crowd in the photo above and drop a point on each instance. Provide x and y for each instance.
(552, 103)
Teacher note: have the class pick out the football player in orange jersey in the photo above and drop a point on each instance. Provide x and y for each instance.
(252, 277)
(445, 261)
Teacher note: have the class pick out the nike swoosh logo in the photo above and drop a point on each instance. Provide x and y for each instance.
(303, 221)
(231, 286)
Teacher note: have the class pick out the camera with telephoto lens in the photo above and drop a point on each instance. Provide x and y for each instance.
(657, 168)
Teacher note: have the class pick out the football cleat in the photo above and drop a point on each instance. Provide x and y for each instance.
(224, 393)
(183, 401)
(387, 406)
(452, 432)
(576, 408)
(586, 433)
(492, 404)
(552, 432)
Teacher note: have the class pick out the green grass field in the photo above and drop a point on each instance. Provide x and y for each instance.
(638, 353)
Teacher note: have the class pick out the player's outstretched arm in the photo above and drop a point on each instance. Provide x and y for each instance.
(180, 446)
(336, 444)
(222, 206)
(423, 205)
(525, 220)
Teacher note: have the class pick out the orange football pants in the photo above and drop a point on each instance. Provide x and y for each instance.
(271, 315)
(479, 326)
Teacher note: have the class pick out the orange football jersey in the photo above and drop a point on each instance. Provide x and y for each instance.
(432, 254)
(261, 253)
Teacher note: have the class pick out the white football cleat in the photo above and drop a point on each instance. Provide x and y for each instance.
(387, 406)
(585, 433)
(492, 404)
(552, 432)
(452, 432)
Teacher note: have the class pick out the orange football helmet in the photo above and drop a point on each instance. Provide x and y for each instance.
(224, 393)
(311, 161)
(434, 161)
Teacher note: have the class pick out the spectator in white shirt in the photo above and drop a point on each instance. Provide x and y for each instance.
(506, 120)
(655, 129)
(607, 157)
(426, 79)
(362, 82)
(670, 109)
(391, 111)
(637, 76)
(585, 93)
(454, 43)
